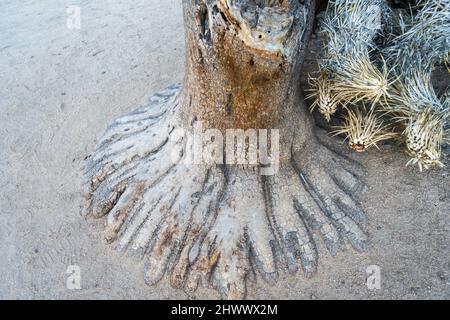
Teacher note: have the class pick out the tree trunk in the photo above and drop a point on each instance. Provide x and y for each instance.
(215, 222)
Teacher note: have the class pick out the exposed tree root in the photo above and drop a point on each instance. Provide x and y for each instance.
(217, 225)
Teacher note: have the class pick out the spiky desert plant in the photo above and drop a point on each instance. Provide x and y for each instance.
(350, 27)
(364, 129)
(414, 93)
(323, 92)
(445, 98)
(425, 34)
(424, 135)
(422, 43)
(445, 101)
(446, 62)
(352, 19)
(397, 76)
(360, 80)
(392, 20)
(423, 114)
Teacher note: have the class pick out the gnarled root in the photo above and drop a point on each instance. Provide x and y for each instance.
(217, 224)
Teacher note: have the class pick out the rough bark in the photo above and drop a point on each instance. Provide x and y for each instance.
(214, 224)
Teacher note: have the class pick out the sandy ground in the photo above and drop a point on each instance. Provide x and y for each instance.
(60, 88)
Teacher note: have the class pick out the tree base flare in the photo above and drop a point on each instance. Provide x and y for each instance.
(217, 225)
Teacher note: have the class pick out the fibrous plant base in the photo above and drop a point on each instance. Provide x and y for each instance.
(217, 225)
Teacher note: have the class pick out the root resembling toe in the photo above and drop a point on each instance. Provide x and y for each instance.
(283, 191)
(347, 181)
(202, 217)
(332, 198)
(239, 234)
(334, 152)
(133, 139)
(338, 205)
